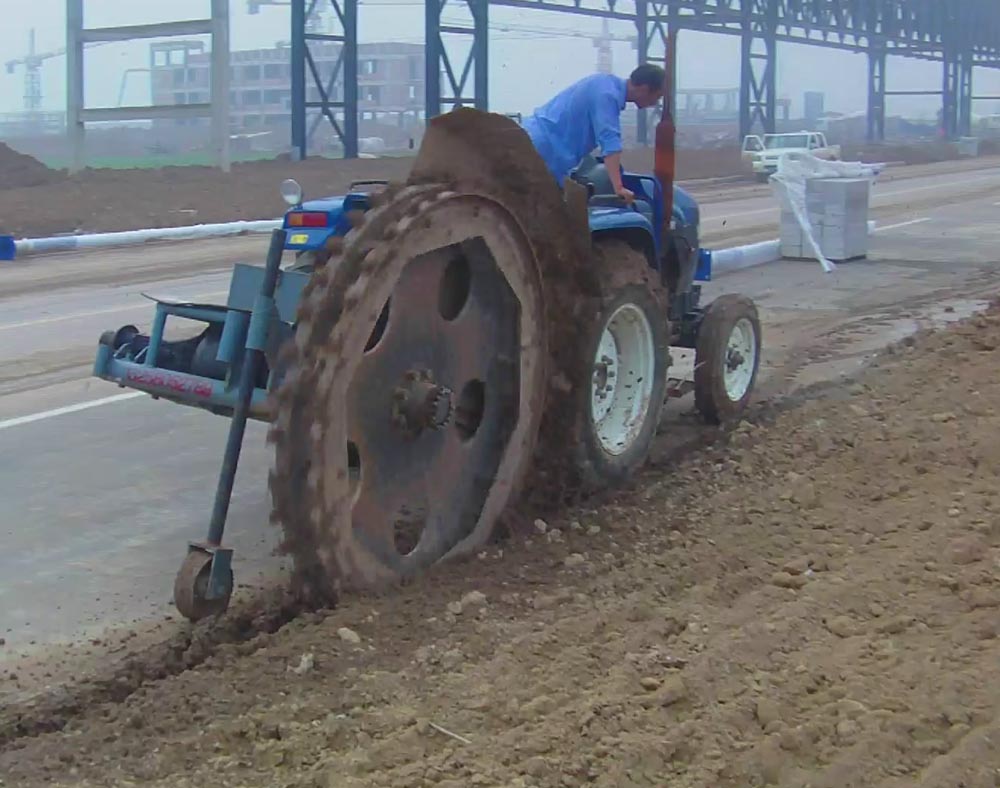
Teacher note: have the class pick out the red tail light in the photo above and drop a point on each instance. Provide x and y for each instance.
(308, 219)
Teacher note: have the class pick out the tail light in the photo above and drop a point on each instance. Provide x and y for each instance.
(308, 219)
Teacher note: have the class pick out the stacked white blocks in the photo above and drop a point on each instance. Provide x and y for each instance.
(837, 209)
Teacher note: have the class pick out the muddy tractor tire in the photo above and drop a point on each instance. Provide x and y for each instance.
(398, 442)
(628, 343)
(727, 358)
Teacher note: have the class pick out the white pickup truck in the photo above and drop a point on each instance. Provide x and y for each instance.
(762, 154)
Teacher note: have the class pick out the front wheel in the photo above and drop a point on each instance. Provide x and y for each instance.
(629, 347)
(191, 588)
(727, 357)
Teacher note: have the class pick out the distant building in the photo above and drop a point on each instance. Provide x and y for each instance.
(390, 85)
(813, 102)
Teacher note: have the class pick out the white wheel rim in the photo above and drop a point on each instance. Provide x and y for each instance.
(623, 377)
(740, 360)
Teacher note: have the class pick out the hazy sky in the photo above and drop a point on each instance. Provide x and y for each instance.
(524, 71)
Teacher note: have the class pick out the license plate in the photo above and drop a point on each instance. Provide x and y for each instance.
(299, 238)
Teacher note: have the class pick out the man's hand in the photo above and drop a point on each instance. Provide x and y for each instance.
(626, 194)
(613, 164)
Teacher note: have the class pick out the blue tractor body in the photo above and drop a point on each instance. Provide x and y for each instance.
(232, 364)
(647, 214)
(204, 371)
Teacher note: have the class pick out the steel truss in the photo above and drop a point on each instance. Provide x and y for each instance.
(876, 93)
(960, 34)
(306, 72)
(455, 66)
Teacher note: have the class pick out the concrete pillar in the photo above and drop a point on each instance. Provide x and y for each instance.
(74, 83)
(220, 83)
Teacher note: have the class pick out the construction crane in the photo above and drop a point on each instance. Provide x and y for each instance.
(602, 41)
(316, 21)
(32, 63)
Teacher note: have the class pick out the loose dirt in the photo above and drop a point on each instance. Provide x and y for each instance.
(812, 601)
(112, 200)
(19, 170)
(912, 153)
(37, 201)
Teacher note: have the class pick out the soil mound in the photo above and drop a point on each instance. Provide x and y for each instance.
(18, 170)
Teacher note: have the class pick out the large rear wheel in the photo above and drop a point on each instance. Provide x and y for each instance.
(408, 416)
(628, 342)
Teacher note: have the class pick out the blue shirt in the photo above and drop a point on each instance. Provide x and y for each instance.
(571, 125)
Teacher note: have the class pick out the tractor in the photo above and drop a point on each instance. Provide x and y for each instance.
(426, 348)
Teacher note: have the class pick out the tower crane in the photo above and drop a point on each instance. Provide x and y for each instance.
(316, 21)
(32, 63)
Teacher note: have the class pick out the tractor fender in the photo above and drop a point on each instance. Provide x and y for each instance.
(628, 225)
(637, 237)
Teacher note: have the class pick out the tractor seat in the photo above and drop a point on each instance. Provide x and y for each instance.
(594, 175)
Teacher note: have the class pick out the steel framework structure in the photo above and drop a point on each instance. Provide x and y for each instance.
(217, 108)
(960, 34)
(306, 70)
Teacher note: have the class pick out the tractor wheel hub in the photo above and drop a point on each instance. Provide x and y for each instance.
(420, 403)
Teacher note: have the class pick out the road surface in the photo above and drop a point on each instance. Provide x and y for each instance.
(101, 489)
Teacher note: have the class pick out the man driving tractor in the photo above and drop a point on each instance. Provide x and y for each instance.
(586, 115)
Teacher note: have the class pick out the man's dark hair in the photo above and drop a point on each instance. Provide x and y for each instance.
(650, 75)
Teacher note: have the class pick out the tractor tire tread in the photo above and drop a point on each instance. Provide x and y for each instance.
(619, 266)
(709, 385)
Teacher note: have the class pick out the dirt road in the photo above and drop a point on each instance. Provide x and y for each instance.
(813, 602)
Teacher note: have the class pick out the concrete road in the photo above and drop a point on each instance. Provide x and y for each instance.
(101, 489)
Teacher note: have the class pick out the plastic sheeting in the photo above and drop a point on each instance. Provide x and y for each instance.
(789, 185)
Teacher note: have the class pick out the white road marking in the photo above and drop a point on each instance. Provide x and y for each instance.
(901, 224)
(48, 414)
(94, 313)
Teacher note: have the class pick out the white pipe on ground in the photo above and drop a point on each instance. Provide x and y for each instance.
(66, 243)
(739, 257)
(732, 259)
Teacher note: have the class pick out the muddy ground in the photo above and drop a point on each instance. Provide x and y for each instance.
(814, 600)
(36, 201)
(911, 153)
